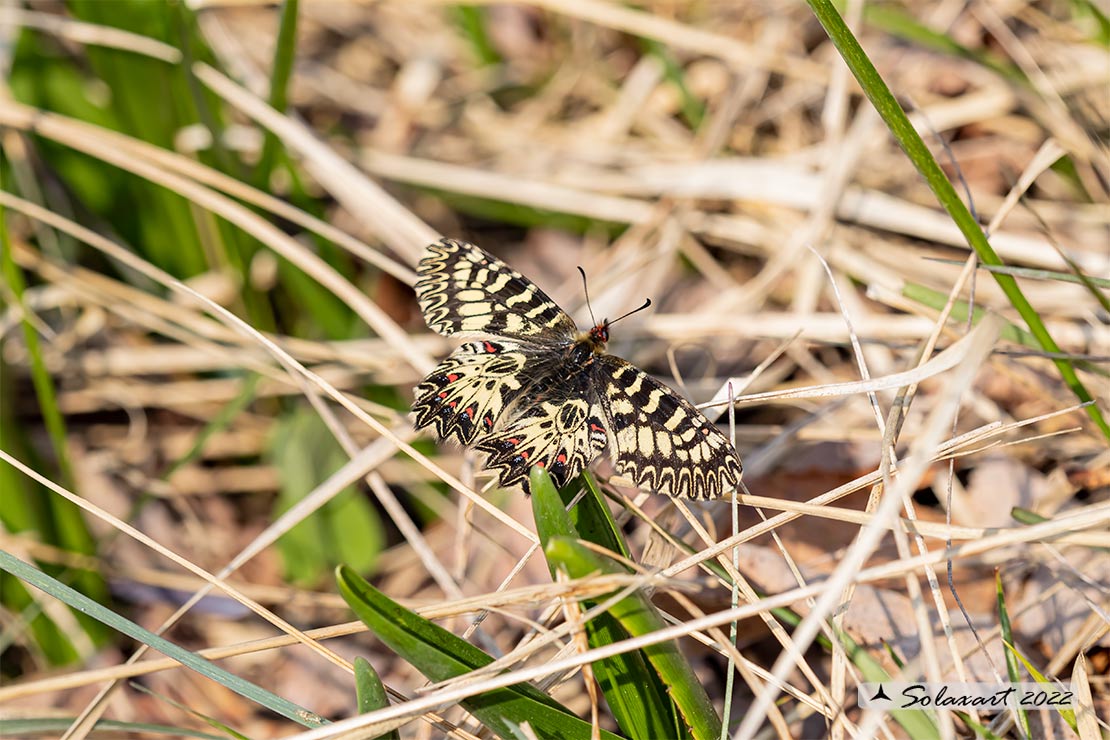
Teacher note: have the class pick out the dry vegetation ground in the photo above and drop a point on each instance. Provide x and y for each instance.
(789, 246)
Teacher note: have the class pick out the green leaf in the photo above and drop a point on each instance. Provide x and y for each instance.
(371, 693)
(636, 695)
(440, 656)
(638, 616)
(281, 69)
(1039, 273)
(345, 530)
(593, 519)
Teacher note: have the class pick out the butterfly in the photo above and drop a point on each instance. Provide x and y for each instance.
(532, 389)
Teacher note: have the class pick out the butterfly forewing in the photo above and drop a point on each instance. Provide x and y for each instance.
(537, 392)
(463, 289)
(662, 442)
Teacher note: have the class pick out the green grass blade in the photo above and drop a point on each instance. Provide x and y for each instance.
(917, 724)
(1011, 332)
(1068, 715)
(441, 655)
(1013, 671)
(1091, 284)
(1025, 516)
(891, 112)
(898, 22)
(471, 21)
(978, 729)
(691, 108)
(370, 692)
(220, 422)
(936, 300)
(58, 521)
(210, 721)
(50, 639)
(40, 377)
(285, 52)
(1037, 273)
(168, 233)
(25, 508)
(80, 602)
(52, 727)
(636, 695)
(1088, 8)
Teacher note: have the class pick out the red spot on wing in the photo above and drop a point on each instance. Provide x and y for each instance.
(561, 458)
(514, 441)
(469, 411)
(539, 464)
(452, 377)
(524, 455)
(489, 347)
(596, 427)
(442, 394)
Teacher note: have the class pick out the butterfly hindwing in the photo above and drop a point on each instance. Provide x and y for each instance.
(468, 392)
(660, 441)
(463, 289)
(561, 435)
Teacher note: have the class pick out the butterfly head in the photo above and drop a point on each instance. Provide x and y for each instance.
(599, 335)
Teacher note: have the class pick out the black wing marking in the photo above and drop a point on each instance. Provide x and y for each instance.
(463, 289)
(662, 442)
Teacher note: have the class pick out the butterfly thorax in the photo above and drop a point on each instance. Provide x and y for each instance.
(590, 343)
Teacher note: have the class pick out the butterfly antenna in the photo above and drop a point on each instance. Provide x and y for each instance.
(586, 290)
(647, 302)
